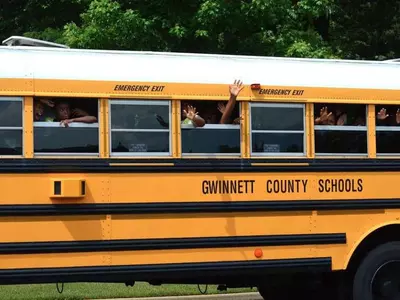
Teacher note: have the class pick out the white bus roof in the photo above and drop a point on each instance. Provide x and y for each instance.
(135, 66)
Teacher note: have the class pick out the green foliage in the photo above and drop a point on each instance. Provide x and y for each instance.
(18, 17)
(105, 25)
(296, 28)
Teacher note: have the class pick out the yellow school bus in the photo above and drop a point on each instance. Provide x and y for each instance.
(278, 199)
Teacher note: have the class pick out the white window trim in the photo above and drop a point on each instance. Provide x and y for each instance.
(11, 128)
(387, 154)
(139, 154)
(279, 154)
(16, 128)
(387, 128)
(139, 130)
(211, 155)
(342, 154)
(17, 99)
(278, 131)
(213, 127)
(71, 125)
(74, 154)
(339, 128)
(278, 105)
(136, 103)
(58, 125)
(140, 102)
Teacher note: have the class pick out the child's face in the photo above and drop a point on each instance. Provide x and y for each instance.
(39, 109)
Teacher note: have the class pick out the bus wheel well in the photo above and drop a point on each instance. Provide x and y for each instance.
(388, 233)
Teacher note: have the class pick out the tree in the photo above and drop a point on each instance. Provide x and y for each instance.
(367, 29)
(105, 25)
(298, 28)
(38, 18)
(257, 27)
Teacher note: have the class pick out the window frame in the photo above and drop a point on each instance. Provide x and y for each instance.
(140, 102)
(351, 128)
(278, 154)
(208, 127)
(22, 100)
(385, 129)
(73, 125)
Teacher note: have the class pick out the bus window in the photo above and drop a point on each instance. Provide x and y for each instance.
(11, 126)
(140, 128)
(277, 129)
(64, 126)
(340, 129)
(387, 130)
(211, 137)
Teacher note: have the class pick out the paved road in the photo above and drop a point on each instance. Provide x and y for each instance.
(243, 296)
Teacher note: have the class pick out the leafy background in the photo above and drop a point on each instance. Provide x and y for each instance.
(356, 29)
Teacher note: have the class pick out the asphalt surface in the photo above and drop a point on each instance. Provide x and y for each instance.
(242, 296)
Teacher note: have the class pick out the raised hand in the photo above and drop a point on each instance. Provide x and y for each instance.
(65, 123)
(323, 116)
(237, 121)
(48, 102)
(236, 88)
(190, 112)
(382, 114)
(221, 107)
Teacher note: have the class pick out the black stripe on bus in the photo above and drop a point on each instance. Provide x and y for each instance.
(30, 166)
(195, 207)
(171, 244)
(196, 272)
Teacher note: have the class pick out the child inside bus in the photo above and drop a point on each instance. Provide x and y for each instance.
(65, 115)
(43, 110)
(210, 116)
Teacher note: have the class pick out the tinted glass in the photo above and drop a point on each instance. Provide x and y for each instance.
(10, 142)
(66, 140)
(277, 118)
(388, 141)
(139, 116)
(140, 142)
(278, 142)
(210, 141)
(340, 141)
(10, 113)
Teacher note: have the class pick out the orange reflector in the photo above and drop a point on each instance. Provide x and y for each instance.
(255, 86)
(258, 253)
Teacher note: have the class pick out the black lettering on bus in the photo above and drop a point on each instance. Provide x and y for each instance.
(210, 187)
(233, 187)
(298, 92)
(334, 185)
(204, 187)
(139, 88)
(304, 185)
(286, 186)
(340, 185)
(275, 92)
(290, 186)
(360, 185)
(321, 186)
(158, 88)
(225, 186)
